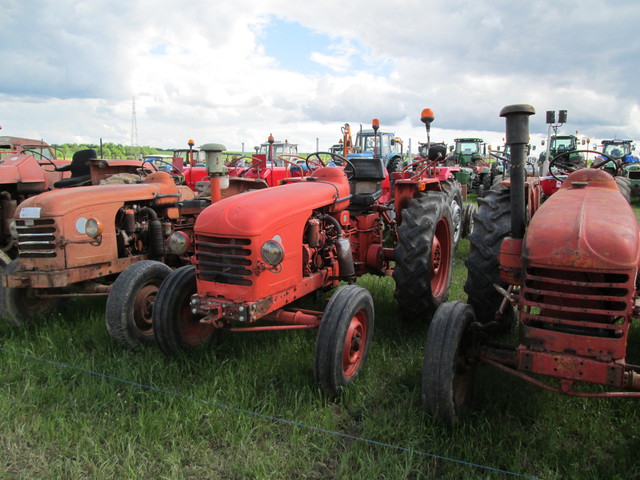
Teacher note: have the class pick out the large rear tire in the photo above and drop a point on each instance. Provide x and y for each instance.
(22, 305)
(492, 223)
(424, 254)
(176, 328)
(624, 185)
(448, 369)
(130, 303)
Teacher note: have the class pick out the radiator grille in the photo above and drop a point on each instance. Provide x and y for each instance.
(582, 303)
(36, 238)
(224, 260)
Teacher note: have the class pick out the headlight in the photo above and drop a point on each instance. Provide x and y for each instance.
(179, 243)
(272, 252)
(13, 229)
(93, 228)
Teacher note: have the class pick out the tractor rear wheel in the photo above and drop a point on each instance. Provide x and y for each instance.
(448, 369)
(453, 189)
(424, 254)
(343, 339)
(624, 185)
(130, 303)
(22, 305)
(394, 165)
(176, 328)
(492, 223)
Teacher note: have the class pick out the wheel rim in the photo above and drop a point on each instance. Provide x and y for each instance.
(354, 344)
(192, 331)
(143, 308)
(440, 256)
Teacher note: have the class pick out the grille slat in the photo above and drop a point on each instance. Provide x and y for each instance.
(36, 238)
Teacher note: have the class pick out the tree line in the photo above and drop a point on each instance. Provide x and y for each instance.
(108, 150)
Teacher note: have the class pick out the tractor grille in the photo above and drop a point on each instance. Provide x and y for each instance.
(634, 175)
(224, 260)
(36, 238)
(574, 302)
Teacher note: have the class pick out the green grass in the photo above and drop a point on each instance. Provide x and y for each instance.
(190, 418)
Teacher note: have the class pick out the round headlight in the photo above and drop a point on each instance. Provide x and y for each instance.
(13, 229)
(179, 243)
(272, 252)
(93, 228)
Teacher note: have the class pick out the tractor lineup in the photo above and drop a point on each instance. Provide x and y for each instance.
(188, 245)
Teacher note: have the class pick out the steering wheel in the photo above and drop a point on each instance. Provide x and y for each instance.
(255, 162)
(317, 162)
(178, 178)
(41, 160)
(563, 165)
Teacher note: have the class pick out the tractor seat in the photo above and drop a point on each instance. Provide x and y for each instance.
(366, 179)
(79, 167)
(437, 152)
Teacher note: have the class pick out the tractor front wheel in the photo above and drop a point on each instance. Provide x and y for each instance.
(449, 367)
(22, 305)
(454, 190)
(424, 254)
(130, 303)
(343, 339)
(176, 328)
(468, 212)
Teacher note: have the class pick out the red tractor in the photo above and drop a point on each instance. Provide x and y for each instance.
(570, 270)
(257, 253)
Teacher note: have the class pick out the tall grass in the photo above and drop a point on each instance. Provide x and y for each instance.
(75, 405)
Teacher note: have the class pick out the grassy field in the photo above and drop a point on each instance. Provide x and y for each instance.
(75, 405)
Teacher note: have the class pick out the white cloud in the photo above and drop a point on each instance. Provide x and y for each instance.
(200, 69)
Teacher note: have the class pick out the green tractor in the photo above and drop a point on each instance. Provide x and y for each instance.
(567, 144)
(628, 168)
(475, 173)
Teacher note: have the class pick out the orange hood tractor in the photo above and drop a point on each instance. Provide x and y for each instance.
(27, 167)
(116, 240)
(570, 269)
(257, 253)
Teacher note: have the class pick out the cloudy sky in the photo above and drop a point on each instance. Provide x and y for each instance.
(232, 72)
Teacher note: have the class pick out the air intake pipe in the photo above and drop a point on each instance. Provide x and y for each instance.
(517, 136)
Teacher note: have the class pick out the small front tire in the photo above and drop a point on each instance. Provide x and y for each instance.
(130, 303)
(449, 367)
(176, 328)
(343, 339)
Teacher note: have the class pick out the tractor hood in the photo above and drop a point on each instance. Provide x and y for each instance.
(587, 224)
(255, 212)
(158, 187)
(20, 168)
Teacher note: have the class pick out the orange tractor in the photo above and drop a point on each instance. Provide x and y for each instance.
(27, 167)
(114, 239)
(257, 253)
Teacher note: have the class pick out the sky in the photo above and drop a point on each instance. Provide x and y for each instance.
(232, 72)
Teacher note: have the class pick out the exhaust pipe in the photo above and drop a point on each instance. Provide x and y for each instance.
(517, 136)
